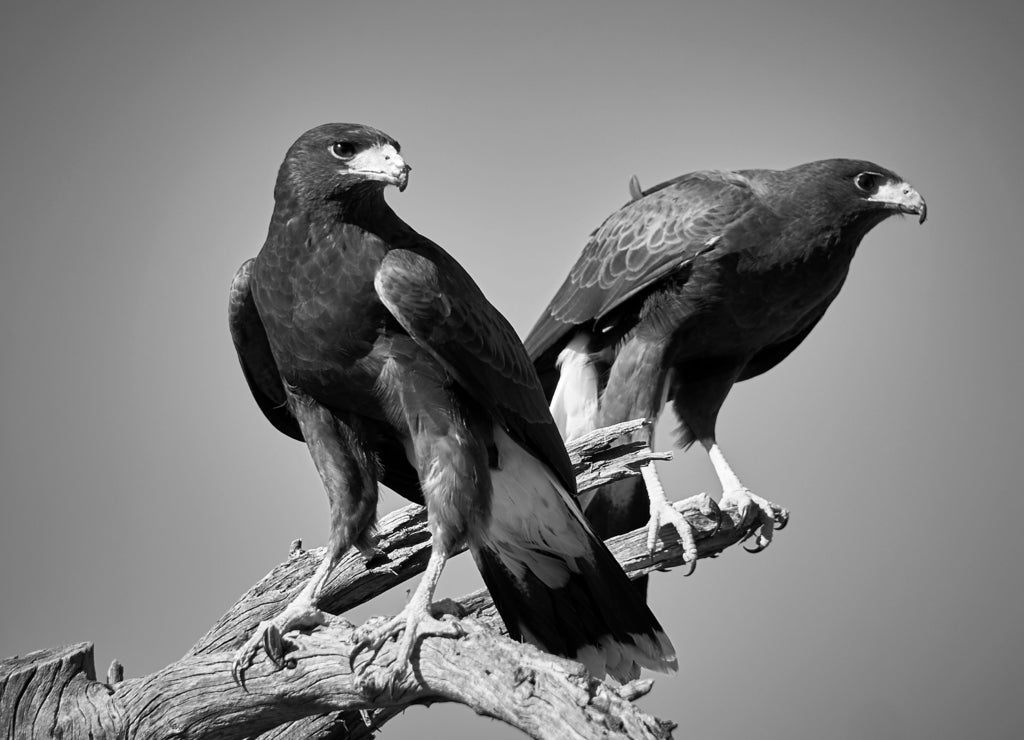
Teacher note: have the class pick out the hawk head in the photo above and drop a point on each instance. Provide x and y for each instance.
(856, 190)
(337, 160)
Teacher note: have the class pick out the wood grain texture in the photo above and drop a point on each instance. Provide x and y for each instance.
(54, 693)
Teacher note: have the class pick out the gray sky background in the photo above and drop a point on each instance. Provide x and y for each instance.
(142, 491)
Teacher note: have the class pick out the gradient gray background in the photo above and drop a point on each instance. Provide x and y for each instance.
(142, 490)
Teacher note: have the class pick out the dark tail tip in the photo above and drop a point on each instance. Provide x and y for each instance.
(596, 615)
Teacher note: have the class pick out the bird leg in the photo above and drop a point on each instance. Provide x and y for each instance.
(300, 613)
(736, 494)
(416, 620)
(347, 472)
(662, 511)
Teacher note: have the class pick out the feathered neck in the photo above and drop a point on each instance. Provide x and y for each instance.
(362, 204)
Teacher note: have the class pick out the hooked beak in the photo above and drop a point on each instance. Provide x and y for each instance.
(397, 175)
(900, 196)
(381, 163)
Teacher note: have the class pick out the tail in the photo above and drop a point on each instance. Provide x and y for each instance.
(554, 582)
(616, 508)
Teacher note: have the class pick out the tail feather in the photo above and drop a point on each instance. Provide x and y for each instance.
(619, 507)
(554, 582)
(623, 505)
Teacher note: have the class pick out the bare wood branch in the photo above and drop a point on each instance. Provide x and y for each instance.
(598, 458)
(196, 698)
(54, 693)
(631, 551)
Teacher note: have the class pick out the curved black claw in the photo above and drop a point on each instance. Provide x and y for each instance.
(781, 520)
(413, 624)
(713, 512)
(762, 543)
(270, 636)
(238, 673)
(767, 516)
(273, 646)
(243, 660)
(366, 642)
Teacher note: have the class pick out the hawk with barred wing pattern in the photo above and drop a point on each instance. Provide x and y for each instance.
(692, 286)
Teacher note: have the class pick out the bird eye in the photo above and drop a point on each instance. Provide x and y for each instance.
(868, 181)
(343, 150)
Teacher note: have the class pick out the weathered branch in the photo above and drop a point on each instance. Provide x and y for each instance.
(54, 693)
(631, 551)
(547, 697)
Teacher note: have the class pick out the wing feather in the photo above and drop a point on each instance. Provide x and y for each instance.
(264, 378)
(253, 348)
(640, 244)
(436, 301)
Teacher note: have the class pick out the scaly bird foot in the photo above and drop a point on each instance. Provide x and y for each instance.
(662, 512)
(769, 516)
(270, 636)
(412, 623)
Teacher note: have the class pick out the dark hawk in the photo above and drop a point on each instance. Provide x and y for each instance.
(372, 345)
(692, 286)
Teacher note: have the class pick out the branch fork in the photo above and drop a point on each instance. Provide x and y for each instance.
(319, 695)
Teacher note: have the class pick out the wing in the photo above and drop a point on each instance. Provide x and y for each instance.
(253, 348)
(264, 380)
(641, 243)
(436, 301)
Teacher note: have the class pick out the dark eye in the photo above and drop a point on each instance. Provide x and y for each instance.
(343, 149)
(869, 182)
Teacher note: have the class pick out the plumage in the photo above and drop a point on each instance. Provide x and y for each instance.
(698, 283)
(372, 344)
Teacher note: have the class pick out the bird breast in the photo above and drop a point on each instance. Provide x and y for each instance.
(758, 304)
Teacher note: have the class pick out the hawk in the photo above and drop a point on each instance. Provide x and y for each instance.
(371, 344)
(694, 285)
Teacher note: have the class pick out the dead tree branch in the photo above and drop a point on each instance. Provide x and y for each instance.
(54, 693)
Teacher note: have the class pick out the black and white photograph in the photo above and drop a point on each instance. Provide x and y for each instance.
(511, 369)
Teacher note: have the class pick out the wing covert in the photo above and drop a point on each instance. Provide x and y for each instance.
(641, 243)
(436, 301)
